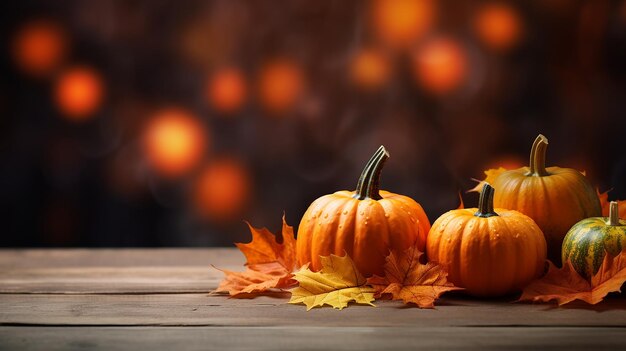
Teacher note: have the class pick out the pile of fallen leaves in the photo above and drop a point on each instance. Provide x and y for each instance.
(271, 266)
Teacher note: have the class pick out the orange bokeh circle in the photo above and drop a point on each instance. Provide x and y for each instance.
(280, 84)
(39, 47)
(498, 26)
(174, 142)
(400, 23)
(441, 65)
(79, 93)
(227, 90)
(222, 189)
(369, 69)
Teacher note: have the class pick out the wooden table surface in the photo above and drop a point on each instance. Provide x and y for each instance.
(157, 299)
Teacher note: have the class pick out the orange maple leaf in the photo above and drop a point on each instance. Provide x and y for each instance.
(490, 176)
(565, 285)
(407, 279)
(605, 203)
(255, 279)
(270, 264)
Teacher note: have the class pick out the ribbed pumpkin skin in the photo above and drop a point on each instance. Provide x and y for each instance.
(586, 242)
(491, 256)
(555, 201)
(365, 229)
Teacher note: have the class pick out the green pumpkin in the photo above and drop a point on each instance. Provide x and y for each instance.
(587, 241)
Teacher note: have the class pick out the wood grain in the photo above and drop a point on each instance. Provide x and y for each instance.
(310, 338)
(204, 310)
(158, 299)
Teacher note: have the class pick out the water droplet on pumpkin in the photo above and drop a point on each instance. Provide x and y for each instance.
(365, 222)
(326, 215)
(362, 213)
(345, 212)
(412, 219)
(386, 215)
(368, 217)
(340, 226)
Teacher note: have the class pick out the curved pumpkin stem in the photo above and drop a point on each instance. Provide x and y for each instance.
(368, 185)
(613, 213)
(485, 202)
(538, 157)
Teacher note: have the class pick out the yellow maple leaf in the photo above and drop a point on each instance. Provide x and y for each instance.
(491, 175)
(336, 284)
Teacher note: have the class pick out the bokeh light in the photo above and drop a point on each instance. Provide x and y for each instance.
(498, 26)
(222, 189)
(400, 23)
(227, 90)
(281, 84)
(441, 65)
(39, 47)
(369, 69)
(78, 93)
(174, 142)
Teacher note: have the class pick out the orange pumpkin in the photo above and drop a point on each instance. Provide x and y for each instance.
(555, 198)
(365, 223)
(487, 252)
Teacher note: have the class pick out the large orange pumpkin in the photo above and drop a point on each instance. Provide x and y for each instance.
(488, 252)
(555, 198)
(365, 223)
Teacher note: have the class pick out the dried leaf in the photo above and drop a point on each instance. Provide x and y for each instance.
(565, 285)
(265, 249)
(270, 264)
(490, 176)
(336, 284)
(255, 279)
(605, 203)
(407, 279)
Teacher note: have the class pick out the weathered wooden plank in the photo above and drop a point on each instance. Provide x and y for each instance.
(309, 338)
(50, 258)
(203, 310)
(111, 280)
(114, 271)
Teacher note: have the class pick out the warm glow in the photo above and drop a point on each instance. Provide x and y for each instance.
(498, 26)
(39, 47)
(222, 190)
(281, 84)
(79, 93)
(441, 66)
(369, 69)
(227, 90)
(402, 22)
(174, 142)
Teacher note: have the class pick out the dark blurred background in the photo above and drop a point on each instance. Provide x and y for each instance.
(167, 123)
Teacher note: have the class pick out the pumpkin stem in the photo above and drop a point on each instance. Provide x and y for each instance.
(485, 202)
(368, 185)
(538, 157)
(613, 213)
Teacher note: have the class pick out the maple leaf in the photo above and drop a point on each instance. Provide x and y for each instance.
(336, 284)
(565, 285)
(270, 264)
(255, 279)
(605, 203)
(407, 279)
(491, 175)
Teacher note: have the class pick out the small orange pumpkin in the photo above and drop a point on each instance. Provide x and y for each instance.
(365, 223)
(555, 198)
(488, 253)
